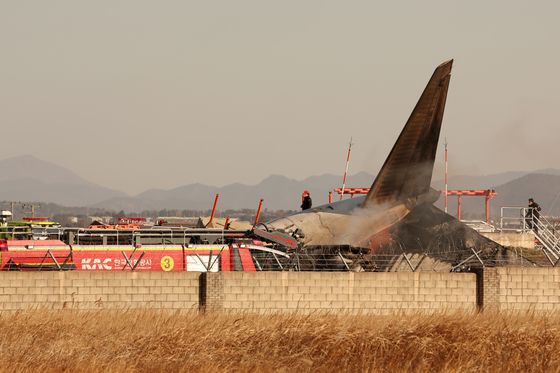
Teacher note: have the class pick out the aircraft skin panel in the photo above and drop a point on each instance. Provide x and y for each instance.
(407, 171)
(323, 228)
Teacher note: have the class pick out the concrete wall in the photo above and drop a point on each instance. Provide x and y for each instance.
(92, 290)
(521, 288)
(342, 291)
(504, 288)
(512, 239)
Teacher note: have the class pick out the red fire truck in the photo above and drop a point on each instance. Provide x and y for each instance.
(43, 255)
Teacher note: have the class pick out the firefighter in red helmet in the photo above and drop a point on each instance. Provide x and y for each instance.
(306, 202)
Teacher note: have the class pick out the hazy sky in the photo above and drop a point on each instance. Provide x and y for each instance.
(140, 94)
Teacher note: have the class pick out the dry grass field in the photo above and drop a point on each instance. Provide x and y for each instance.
(161, 341)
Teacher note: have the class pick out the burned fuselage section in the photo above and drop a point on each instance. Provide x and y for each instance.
(427, 239)
(343, 223)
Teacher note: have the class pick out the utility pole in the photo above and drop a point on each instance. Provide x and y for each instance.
(33, 207)
(346, 170)
(446, 180)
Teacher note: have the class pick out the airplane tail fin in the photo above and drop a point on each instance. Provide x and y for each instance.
(407, 171)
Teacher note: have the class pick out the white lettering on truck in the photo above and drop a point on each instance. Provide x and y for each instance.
(96, 263)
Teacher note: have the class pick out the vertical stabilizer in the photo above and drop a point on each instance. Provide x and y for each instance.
(407, 171)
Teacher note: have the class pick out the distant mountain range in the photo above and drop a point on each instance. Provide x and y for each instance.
(278, 192)
(27, 178)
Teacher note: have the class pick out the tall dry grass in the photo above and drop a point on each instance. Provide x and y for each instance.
(162, 341)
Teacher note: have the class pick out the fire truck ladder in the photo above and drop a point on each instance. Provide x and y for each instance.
(548, 237)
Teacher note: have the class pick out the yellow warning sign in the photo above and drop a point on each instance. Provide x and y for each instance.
(167, 263)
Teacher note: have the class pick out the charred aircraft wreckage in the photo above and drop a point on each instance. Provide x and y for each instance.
(395, 226)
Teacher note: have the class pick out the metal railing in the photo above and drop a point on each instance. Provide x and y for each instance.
(163, 236)
(524, 220)
(547, 235)
(30, 233)
(514, 218)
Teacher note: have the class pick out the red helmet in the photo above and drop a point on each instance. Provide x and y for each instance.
(305, 193)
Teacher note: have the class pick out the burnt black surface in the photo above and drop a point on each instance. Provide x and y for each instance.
(428, 230)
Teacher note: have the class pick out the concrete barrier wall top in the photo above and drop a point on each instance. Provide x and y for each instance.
(341, 292)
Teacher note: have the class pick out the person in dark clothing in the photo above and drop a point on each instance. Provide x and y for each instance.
(533, 214)
(306, 202)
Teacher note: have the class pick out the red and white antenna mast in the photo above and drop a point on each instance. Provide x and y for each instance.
(346, 170)
(446, 180)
